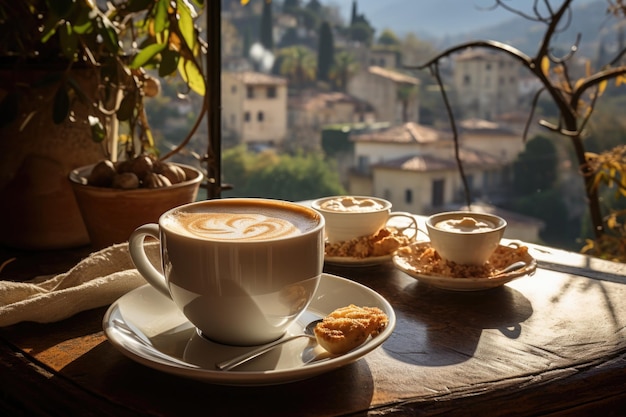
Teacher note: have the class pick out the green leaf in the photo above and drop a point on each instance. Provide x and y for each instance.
(192, 76)
(169, 62)
(61, 106)
(49, 28)
(83, 23)
(160, 18)
(127, 107)
(97, 129)
(69, 41)
(185, 24)
(146, 55)
(106, 29)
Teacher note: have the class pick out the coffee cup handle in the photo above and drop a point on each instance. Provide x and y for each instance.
(412, 226)
(140, 259)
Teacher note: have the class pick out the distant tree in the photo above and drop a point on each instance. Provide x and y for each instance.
(290, 38)
(246, 43)
(309, 19)
(549, 207)
(288, 177)
(291, 6)
(576, 99)
(406, 93)
(535, 168)
(298, 65)
(325, 52)
(315, 6)
(353, 15)
(388, 38)
(266, 27)
(415, 50)
(345, 66)
(362, 32)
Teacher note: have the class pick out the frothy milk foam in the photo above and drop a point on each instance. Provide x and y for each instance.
(240, 222)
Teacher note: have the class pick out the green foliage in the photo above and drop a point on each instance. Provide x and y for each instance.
(548, 206)
(388, 38)
(362, 32)
(118, 43)
(336, 140)
(536, 167)
(298, 64)
(288, 177)
(344, 67)
(326, 52)
(266, 38)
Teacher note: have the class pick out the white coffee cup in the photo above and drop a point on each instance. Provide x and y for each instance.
(349, 217)
(465, 237)
(240, 269)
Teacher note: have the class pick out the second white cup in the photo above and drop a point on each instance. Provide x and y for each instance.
(349, 217)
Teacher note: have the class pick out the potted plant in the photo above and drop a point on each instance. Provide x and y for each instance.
(81, 70)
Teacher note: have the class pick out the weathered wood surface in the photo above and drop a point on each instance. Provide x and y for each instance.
(552, 344)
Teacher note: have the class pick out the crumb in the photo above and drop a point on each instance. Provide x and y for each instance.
(385, 242)
(425, 260)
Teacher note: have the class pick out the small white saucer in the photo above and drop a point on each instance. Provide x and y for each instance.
(148, 328)
(463, 283)
(354, 261)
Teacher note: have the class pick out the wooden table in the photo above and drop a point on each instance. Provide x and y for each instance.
(549, 344)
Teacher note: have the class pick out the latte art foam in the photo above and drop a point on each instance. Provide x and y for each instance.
(236, 226)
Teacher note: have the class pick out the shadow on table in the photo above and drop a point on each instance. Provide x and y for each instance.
(107, 373)
(444, 327)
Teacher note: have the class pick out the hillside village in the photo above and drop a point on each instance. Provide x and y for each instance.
(391, 154)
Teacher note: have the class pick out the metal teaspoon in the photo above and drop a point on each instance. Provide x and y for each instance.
(243, 358)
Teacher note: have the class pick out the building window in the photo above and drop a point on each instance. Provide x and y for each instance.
(271, 92)
(260, 116)
(363, 164)
(408, 196)
(437, 193)
(246, 116)
(250, 92)
(233, 89)
(467, 80)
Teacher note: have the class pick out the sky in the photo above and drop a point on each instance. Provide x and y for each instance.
(434, 17)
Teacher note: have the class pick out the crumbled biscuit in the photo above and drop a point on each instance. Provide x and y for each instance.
(425, 260)
(348, 327)
(384, 242)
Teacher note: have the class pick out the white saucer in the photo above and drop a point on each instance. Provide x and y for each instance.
(465, 283)
(148, 328)
(354, 261)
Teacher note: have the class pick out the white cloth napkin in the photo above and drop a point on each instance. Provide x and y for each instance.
(96, 281)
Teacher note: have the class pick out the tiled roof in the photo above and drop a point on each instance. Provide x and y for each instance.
(258, 78)
(410, 132)
(393, 75)
(423, 163)
(321, 100)
(483, 126)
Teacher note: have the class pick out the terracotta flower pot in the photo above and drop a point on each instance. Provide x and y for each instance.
(37, 207)
(111, 215)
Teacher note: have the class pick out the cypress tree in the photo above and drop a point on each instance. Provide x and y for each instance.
(325, 53)
(267, 40)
